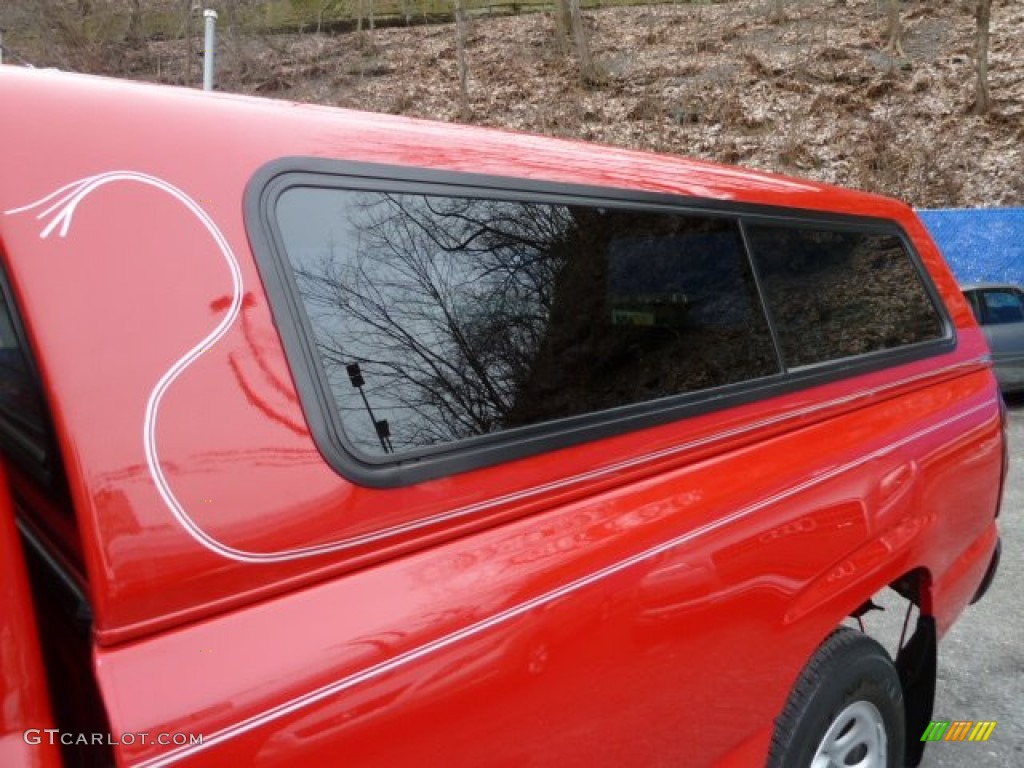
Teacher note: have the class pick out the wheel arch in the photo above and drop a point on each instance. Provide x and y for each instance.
(915, 656)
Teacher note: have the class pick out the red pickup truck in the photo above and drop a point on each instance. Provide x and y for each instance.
(332, 438)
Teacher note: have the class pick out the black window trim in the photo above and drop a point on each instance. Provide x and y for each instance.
(421, 465)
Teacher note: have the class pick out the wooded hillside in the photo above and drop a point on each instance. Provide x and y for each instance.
(827, 90)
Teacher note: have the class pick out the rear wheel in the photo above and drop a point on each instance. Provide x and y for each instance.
(845, 711)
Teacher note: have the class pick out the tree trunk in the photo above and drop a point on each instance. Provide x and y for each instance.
(231, 17)
(188, 42)
(563, 24)
(460, 49)
(134, 33)
(983, 15)
(579, 33)
(895, 30)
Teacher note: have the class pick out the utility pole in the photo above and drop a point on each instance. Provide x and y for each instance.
(209, 47)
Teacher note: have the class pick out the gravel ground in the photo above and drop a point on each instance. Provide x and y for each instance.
(981, 660)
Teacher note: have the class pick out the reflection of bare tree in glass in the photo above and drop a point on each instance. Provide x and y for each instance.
(470, 316)
(444, 303)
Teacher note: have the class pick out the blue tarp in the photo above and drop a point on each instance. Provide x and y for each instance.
(984, 245)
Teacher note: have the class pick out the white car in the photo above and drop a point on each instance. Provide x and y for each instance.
(999, 309)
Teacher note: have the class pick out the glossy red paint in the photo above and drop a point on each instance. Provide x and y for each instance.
(608, 604)
(24, 702)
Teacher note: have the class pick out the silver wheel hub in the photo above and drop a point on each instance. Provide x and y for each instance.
(855, 739)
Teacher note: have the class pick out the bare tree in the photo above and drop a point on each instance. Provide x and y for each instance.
(318, 8)
(445, 307)
(134, 33)
(983, 16)
(192, 8)
(231, 17)
(460, 51)
(579, 33)
(563, 24)
(231, 37)
(365, 10)
(569, 24)
(445, 318)
(894, 29)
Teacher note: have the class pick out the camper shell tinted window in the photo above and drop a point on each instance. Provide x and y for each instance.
(438, 319)
(438, 322)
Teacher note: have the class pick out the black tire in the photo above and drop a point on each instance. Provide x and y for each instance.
(848, 675)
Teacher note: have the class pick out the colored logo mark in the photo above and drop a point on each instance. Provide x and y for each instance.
(958, 730)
